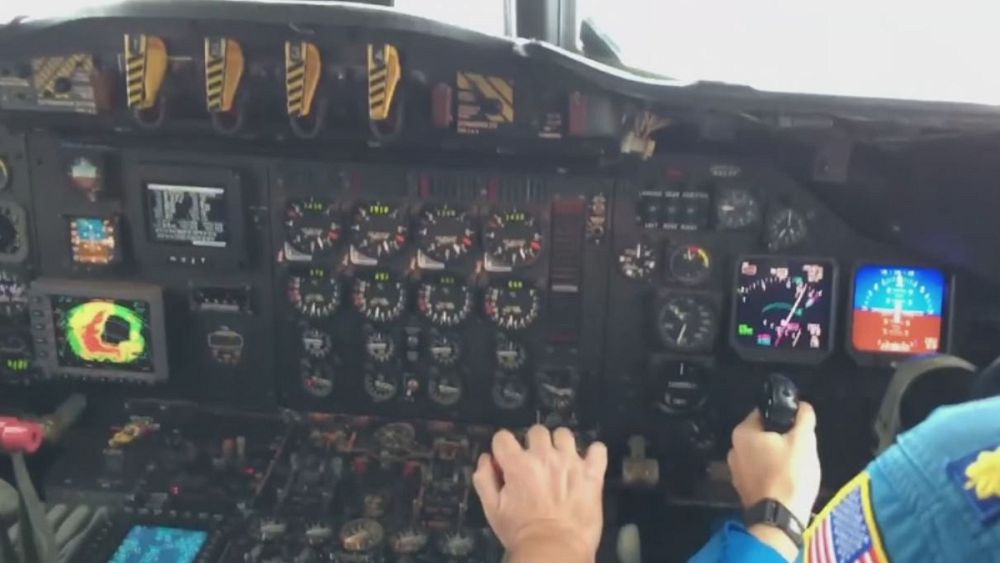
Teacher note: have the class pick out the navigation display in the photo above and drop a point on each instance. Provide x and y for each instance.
(784, 305)
(102, 333)
(159, 544)
(188, 215)
(898, 310)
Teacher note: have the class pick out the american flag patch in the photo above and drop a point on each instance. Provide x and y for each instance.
(846, 531)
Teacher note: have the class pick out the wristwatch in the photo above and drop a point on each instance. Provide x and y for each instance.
(772, 513)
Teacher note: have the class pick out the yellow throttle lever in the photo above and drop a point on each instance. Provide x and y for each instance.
(303, 69)
(145, 71)
(384, 73)
(224, 67)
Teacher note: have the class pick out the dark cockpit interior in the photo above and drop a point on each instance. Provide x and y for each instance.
(299, 260)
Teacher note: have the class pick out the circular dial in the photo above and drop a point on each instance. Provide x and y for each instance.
(445, 389)
(379, 229)
(445, 234)
(509, 392)
(511, 355)
(10, 230)
(317, 378)
(445, 301)
(512, 238)
(380, 297)
(363, 534)
(13, 294)
(381, 386)
(380, 347)
(314, 294)
(312, 226)
(513, 306)
(557, 388)
(396, 437)
(686, 322)
(785, 228)
(408, 541)
(459, 543)
(637, 262)
(318, 533)
(316, 343)
(680, 389)
(736, 208)
(690, 264)
(444, 349)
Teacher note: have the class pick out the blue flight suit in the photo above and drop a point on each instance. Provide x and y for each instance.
(934, 497)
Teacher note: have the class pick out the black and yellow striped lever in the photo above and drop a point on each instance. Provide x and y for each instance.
(224, 67)
(303, 68)
(384, 73)
(145, 69)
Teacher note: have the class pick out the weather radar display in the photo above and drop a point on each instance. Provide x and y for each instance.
(102, 333)
(898, 310)
(784, 304)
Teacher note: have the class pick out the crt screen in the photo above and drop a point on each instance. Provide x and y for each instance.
(102, 333)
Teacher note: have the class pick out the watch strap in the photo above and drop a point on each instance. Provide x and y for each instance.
(772, 513)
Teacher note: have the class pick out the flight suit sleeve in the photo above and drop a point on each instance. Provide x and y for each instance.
(732, 543)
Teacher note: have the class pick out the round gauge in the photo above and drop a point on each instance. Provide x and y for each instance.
(444, 349)
(13, 294)
(381, 386)
(511, 355)
(317, 378)
(314, 294)
(512, 238)
(557, 388)
(380, 347)
(509, 392)
(270, 529)
(785, 228)
(445, 301)
(380, 297)
(312, 226)
(680, 389)
(445, 389)
(316, 343)
(736, 208)
(318, 533)
(363, 534)
(513, 306)
(445, 234)
(637, 262)
(686, 323)
(458, 544)
(379, 229)
(690, 264)
(408, 541)
(396, 437)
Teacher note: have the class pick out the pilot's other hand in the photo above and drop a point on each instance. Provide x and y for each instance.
(543, 501)
(783, 467)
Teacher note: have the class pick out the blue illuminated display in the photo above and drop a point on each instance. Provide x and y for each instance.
(898, 310)
(158, 544)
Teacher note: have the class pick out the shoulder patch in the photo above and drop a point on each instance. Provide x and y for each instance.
(978, 477)
(846, 531)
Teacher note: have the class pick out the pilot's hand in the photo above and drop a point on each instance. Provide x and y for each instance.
(783, 467)
(544, 501)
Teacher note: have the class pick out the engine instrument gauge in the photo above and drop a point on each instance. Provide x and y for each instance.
(513, 305)
(381, 386)
(445, 301)
(690, 264)
(512, 238)
(785, 228)
(557, 388)
(379, 230)
(509, 392)
(380, 297)
(380, 347)
(312, 226)
(444, 349)
(361, 535)
(13, 294)
(445, 388)
(317, 378)
(736, 208)
(316, 343)
(445, 234)
(511, 355)
(314, 293)
(784, 307)
(318, 533)
(408, 541)
(457, 544)
(637, 262)
(686, 322)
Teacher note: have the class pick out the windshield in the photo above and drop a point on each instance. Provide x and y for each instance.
(907, 49)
